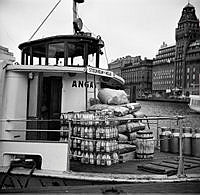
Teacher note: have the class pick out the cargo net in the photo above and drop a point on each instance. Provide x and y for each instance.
(103, 139)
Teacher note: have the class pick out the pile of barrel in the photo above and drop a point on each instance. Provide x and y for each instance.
(169, 141)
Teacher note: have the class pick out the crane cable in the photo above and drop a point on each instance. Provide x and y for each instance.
(106, 54)
(45, 19)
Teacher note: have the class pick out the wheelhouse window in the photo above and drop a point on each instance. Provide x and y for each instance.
(92, 60)
(75, 54)
(26, 56)
(56, 54)
(39, 53)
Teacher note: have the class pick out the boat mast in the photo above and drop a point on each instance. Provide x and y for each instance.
(75, 10)
(77, 22)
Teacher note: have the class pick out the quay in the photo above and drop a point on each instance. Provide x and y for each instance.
(174, 100)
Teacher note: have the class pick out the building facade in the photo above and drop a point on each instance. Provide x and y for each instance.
(138, 74)
(187, 58)
(176, 68)
(115, 66)
(193, 68)
(163, 71)
(6, 55)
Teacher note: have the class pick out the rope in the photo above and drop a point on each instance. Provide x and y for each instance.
(106, 54)
(45, 19)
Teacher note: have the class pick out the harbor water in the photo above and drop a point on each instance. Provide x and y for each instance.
(155, 108)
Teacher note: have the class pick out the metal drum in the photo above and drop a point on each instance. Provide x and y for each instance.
(144, 145)
(187, 141)
(174, 141)
(196, 143)
(164, 139)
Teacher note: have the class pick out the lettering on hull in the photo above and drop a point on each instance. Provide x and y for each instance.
(82, 84)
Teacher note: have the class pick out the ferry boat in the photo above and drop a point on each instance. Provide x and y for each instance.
(55, 77)
(195, 103)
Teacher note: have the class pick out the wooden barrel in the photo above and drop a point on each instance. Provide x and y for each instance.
(144, 145)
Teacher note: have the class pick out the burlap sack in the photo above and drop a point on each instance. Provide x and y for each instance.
(98, 107)
(138, 114)
(132, 136)
(135, 126)
(112, 96)
(132, 107)
(122, 128)
(120, 111)
(122, 137)
(124, 148)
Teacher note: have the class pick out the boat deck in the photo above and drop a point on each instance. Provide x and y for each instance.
(162, 169)
(162, 163)
(120, 177)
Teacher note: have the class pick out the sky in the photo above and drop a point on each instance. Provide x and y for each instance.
(128, 27)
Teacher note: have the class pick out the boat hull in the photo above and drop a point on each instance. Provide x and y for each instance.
(74, 185)
(194, 103)
(195, 109)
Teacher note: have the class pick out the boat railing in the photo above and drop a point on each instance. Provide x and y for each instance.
(153, 123)
(11, 129)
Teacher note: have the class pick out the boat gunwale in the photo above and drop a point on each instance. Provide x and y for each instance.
(105, 177)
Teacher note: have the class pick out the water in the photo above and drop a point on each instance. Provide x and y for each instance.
(153, 108)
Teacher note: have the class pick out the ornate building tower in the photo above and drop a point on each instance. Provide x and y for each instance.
(187, 32)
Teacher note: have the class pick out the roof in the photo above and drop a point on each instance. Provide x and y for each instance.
(56, 38)
(189, 5)
(195, 43)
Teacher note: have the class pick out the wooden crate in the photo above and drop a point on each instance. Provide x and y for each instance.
(127, 156)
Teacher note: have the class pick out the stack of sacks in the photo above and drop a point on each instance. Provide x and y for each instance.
(128, 130)
(118, 110)
(116, 101)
